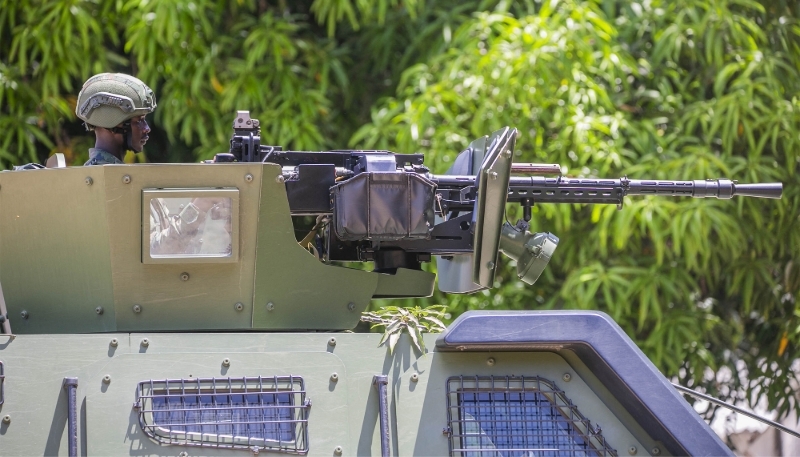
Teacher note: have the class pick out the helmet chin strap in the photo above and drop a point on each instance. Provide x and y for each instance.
(125, 130)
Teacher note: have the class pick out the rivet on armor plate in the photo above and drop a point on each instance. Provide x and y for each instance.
(107, 379)
(114, 342)
(226, 362)
(238, 306)
(567, 377)
(6, 419)
(332, 341)
(415, 377)
(632, 450)
(351, 306)
(338, 450)
(145, 342)
(656, 451)
(248, 177)
(270, 306)
(184, 276)
(490, 361)
(24, 314)
(126, 179)
(137, 309)
(89, 181)
(334, 377)
(280, 179)
(99, 310)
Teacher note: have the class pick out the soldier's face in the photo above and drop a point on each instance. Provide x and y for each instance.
(139, 133)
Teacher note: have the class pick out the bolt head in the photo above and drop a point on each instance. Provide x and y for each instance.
(24, 314)
(226, 362)
(656, 451)
(145, 342)
(107, 379)
(491, 361)
(114, 342)
(632, 450)
(137, 309)
(415, 377)
(6, 419)
(184, 276)
(280, 179)
(238, 306)
(126, 179)
(490, 265)
(248, 177)
(89, 181)
(332, 341)
(567, 377)
(99, 310)
(334, 377)
(351, 306)
(270, 306)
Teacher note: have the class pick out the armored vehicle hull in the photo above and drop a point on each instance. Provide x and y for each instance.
(527, 383)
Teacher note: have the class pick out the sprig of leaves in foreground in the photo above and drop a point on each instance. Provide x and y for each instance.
(415, 321)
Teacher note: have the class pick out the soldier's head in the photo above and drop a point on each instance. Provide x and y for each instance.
(114, 105)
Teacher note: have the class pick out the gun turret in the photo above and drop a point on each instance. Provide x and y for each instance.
(388, 208)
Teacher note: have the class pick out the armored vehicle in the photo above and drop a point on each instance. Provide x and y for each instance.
(192, 309)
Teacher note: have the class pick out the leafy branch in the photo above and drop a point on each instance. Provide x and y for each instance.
(414, 321)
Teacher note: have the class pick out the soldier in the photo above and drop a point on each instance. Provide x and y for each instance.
(114, 105)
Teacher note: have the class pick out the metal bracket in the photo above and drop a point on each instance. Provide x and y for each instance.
(381, 381)
(2, 383)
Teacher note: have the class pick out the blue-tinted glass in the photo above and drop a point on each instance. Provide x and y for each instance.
(522, 423)
(266, 416)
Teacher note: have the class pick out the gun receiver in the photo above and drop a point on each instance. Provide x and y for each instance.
(388, 208)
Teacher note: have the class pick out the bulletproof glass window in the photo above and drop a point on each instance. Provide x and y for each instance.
(190, 225)
(517, 416)
(269, 413)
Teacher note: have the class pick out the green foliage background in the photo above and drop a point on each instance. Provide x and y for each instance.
(679, 89)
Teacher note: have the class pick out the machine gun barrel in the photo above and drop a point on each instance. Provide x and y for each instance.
(539, 189)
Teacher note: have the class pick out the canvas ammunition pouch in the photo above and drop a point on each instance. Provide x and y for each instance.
(383, 206)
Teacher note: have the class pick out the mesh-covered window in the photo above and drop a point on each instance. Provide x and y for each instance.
(517, 417)
(247, 413)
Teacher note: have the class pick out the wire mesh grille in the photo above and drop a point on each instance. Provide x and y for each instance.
(269, 413)
(517, 416)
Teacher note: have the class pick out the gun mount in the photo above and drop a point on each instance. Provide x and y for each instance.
(459, 213)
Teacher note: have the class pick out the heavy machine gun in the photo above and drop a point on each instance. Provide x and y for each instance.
(388, 208)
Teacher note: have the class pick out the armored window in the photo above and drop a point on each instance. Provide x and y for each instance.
(517, 416)
(232, 413)
(190, 225)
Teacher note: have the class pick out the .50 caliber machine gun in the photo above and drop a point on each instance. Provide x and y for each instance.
(388, 208)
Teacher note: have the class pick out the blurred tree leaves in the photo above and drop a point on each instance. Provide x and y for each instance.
(680, 89)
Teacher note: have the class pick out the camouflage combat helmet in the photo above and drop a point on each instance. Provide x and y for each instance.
(108, 99)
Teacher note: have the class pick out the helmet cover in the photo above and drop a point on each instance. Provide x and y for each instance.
(109, 99)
